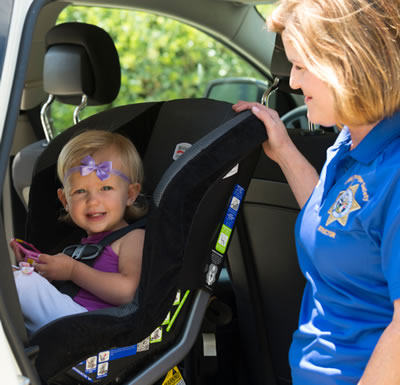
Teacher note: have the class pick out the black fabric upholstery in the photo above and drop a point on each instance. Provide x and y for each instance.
(179, 123)
(312, 147)
(81, 59)
(43, 228)
(179, 229)
(267, 281)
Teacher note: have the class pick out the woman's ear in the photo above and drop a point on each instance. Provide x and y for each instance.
(61, 197)
(133, 192)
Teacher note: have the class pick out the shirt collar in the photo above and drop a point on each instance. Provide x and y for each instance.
(377, 139)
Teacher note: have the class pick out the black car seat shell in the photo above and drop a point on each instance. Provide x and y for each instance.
(188, 199)
(187, 209)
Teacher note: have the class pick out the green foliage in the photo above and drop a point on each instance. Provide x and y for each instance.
(266, 9)
(161, 59)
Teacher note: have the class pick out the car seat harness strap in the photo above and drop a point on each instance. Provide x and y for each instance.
(87, 253)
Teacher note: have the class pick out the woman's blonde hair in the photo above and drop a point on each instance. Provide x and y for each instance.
(91, 141)
(353, 46)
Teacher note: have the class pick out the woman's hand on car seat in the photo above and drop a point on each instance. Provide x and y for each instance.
(300, 174)
(278, 143)
(55, 267)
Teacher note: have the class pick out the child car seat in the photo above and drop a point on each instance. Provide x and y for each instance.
(182, 235)
(187, 232)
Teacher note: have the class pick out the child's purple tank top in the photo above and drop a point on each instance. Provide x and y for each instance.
(108, 262)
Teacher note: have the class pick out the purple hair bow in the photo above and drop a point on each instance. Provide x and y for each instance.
(103, 169)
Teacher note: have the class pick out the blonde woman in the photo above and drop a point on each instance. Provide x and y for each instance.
(346, 60)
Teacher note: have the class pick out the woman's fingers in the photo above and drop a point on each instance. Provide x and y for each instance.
(242, 105)
(269, 117)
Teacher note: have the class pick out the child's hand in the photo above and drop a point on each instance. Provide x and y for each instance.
(17, 252)
(57, 267)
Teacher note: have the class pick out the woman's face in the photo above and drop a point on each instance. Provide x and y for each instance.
(317, 95)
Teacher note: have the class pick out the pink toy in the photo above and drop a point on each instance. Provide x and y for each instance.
(30, 252)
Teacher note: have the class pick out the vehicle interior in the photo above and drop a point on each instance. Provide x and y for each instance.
(234, 304)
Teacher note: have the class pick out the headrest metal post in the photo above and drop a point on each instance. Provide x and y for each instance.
(79, 108)
(44, 118)
(269, 91)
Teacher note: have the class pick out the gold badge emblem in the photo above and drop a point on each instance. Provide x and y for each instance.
(345, 204)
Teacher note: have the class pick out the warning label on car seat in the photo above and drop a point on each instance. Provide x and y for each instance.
(174, 377)
(230, 218)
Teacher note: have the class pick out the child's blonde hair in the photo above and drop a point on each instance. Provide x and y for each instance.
(353, 46)
(91, 141)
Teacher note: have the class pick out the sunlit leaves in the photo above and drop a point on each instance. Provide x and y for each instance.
(161, 59)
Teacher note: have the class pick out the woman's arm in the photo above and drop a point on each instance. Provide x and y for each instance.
(300, 174)
(383, 367)
(115, 288)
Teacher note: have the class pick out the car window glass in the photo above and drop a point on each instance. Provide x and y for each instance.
(161, 59)
(266, 9)
(5, 18)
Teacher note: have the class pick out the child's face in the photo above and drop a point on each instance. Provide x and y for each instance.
(96, 205)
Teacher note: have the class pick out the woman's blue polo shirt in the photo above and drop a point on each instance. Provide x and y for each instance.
(348, 245)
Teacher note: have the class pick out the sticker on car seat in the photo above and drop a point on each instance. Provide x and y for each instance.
(167, 319)
(180, 149)
(144, 345)
(174, 377)
(98, 366)
(177, 298)
(230, 218)
(156, 336)
(91, 364)
(102, 370)
(104, 356)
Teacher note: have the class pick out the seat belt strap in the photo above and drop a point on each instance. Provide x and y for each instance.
(139, 224)
(69, 287)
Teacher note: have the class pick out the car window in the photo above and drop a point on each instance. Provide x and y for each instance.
(5, 18)
(161, 58)
(266, 9)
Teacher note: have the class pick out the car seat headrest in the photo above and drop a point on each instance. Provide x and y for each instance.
(281, 66)
(81, 59)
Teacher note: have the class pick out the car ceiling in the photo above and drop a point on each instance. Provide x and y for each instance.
(236, 24)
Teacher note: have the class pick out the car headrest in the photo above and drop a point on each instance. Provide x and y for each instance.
(281, 66)
(81, 59)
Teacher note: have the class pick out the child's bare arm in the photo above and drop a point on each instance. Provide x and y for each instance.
(115, 288)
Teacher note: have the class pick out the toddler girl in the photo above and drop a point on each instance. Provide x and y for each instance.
(101, 174)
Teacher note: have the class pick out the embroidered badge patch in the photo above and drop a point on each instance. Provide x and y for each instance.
(344, 205)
